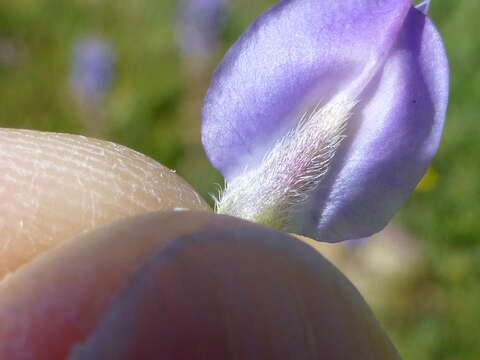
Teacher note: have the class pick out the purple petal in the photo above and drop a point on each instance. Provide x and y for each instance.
(296, 50)
(401, 125)
(387, 54)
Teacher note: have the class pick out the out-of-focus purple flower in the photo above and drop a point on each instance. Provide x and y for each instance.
(199, 25)
(92, 72)
(325, 115)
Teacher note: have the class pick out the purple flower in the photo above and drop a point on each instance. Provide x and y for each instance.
(324, 115)
(92, 72)
(199, 25)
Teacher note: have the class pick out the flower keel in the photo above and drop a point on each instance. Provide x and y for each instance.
(291, 170)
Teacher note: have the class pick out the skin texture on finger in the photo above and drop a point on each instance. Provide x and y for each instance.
(54, 301)
(194, 285)
(55, 186)
(236, 291)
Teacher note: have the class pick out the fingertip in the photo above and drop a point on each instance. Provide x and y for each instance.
(55, 186)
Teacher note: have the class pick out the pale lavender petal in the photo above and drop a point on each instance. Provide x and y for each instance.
(298, 51)
(401, 124)
(379, 73)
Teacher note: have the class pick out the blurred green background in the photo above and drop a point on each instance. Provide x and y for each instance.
(432, 311)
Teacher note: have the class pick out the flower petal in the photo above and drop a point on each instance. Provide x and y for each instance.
(297, 50)
(380, 80)
(400, 129)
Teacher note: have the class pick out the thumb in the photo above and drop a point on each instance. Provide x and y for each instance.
(185, 285)
(55, 186)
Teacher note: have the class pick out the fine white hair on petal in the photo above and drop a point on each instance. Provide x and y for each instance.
(293, 167)
(424, 6)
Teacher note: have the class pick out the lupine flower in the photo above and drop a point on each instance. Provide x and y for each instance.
(92, 72)
(199, 25)
(324, 115)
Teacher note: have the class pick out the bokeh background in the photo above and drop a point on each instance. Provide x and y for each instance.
(135, 72)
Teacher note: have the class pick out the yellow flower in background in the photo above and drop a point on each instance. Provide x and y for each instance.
(428, 182)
